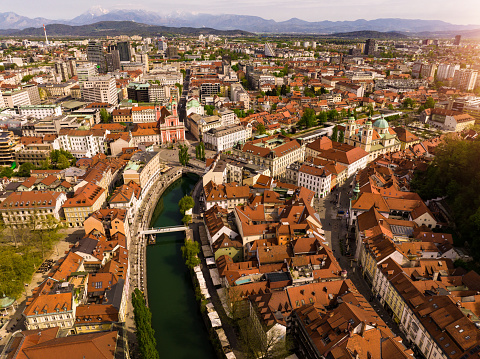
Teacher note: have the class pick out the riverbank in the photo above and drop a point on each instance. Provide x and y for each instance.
(176, 318)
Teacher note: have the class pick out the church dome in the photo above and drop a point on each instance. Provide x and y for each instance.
(381, 123)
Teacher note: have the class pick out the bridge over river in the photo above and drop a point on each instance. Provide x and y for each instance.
(163, 230)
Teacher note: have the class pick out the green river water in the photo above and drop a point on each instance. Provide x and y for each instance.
(179, 328)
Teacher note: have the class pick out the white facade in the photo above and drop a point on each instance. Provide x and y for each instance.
(16, 98)
(315, 179)
(143, 114)
(85, 71)
(82, 144)
(223, 138)
(40, 111)
(446, 71)
(465, 79)
(100, 89)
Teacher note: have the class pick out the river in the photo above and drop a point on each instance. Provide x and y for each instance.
(179, 328)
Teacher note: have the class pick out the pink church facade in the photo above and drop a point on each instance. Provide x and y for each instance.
(172, 130)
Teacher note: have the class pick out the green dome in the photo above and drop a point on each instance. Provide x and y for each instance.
(380, 123)
(6, 302)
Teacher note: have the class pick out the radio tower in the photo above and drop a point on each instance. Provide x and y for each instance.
(45, 31)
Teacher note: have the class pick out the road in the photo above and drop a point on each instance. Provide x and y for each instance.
(335, 228)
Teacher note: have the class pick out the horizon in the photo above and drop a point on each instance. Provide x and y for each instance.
(280, 10)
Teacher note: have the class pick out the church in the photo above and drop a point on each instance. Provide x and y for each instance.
(172, 130)
(376, 139)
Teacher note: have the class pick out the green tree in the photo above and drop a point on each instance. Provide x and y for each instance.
(24, 169)
(261, 129)
(185, 204)
(27, 78)
(105, 117)
(186, 219)
(7, 172)
(183, 155)
(341, 137)
(430, 103)
(409, 103)
(145, 334)
(333, 115)
(308, 119)
(190, 251)
(322, 117)
(61, 159)
(200, 151)
(209, 110)
(335, 134)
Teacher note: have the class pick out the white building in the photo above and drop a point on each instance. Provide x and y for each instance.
(446, 71)
(238, 94)
(16, 98)
(227, 117)
(143, 114)
(82, 143)
(41, 111)
(226, 137)
(100, 89)
(85, 71)
(315, 178)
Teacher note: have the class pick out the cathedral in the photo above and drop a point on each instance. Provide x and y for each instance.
(376, 139)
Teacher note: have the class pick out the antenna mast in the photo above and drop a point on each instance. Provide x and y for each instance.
(45, 31)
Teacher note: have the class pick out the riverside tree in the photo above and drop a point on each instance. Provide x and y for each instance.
(183, 155)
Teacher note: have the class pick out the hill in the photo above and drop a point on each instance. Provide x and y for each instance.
(117, 28)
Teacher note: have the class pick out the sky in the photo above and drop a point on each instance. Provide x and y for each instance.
(457, 12)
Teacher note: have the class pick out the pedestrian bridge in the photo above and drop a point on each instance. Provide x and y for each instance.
(164, 230)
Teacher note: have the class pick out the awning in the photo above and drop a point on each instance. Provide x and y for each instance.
(215, 319)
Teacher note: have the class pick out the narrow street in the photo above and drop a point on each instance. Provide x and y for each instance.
(335, 226)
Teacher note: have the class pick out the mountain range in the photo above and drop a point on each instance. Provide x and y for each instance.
(10, 20)
(117, 28)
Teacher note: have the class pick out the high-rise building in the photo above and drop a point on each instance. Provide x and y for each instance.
(269, 51)
(125, 50)
(61, 68)
(371, 47)
(458, 38)
(96, 55)
(162, 44)
(172, 52)
(465, 79)
(85, 71)
(100, 89)
(142, 57)
(113, 59)
(428, 70)
(446, 71)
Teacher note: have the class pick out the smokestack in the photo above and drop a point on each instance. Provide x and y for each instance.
(45, 31)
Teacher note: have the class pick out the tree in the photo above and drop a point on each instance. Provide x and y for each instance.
(183, 155)
(186, 219)
(332, 115)
(190, 250)
(185, 204)
(105, 117)
(180, 88)
(61, 159)
(209, 110)
(200, 151)
(308, 119)
(335, 134)
(261, 129)
(24, 169)
(341, 137)
(6, 172)
(322, 117)
(27, 78)
(145, 334)
(409, 103)
(430, 103)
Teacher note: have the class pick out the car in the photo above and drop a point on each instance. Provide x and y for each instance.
(341, 212)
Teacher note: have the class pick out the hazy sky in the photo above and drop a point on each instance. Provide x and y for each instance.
(454, 11)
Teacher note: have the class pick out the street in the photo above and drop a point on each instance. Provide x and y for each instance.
(335, 227)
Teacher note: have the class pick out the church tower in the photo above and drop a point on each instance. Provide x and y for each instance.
(350, 129)
(367, 134)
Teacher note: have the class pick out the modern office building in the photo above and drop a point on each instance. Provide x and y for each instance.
(96, 55)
